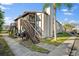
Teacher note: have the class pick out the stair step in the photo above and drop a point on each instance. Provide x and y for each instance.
(31, 32)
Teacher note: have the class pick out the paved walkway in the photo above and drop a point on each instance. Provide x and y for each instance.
(49, 47)
(20, 50)
(76, 46)
(63, 49)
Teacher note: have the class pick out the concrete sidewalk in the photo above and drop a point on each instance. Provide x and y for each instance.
(64, 48)
(20, 50)
(49, 47)
(76, 46)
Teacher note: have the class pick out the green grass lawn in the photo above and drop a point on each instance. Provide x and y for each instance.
(4, 49)
(60, 39)
(4, 31)
(38, 49)
(56, 42)
(62, 36)
(34, 47)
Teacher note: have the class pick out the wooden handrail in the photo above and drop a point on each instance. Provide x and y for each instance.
(26, 21)
(29, 31)
(30, 27)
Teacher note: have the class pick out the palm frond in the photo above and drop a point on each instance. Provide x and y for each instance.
(58, 5)
(46, 5)
(68, 5)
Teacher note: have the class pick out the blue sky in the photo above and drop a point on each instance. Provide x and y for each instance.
(66, 16)
(13, 10)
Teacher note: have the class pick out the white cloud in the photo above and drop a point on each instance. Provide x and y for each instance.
(3, 8)
(64, 10)
(73, 21)
(8, 20)
(66, 19)
(67, 13)
(71, 10)
(7, 3)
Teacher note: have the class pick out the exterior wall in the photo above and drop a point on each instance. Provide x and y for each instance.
(49, 21)
(47, 10)
(59, 27)
(44, 23)
(19, 25)
(43, 26)
(40, 23)
(47, 26)
(50, 28)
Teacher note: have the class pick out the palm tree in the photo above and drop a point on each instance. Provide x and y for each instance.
(55, 6)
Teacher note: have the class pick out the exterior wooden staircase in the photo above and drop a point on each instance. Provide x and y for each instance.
(33, 34)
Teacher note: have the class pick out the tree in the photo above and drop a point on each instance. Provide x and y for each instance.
(55, 6)
(68, 27)
(1, 19)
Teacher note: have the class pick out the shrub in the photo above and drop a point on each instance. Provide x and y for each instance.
(63, 34)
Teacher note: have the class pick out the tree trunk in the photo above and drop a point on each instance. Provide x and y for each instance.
(55, 36)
